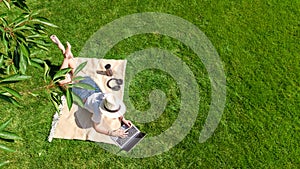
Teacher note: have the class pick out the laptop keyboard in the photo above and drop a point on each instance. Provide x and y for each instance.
(131, 131)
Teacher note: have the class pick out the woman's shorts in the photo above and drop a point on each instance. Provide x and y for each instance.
(85, 93)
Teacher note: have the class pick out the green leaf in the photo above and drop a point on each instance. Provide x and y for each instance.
(40, 61)
(34, 64)
(23, 17)
(4, 163)
(9, 136)
(41, 31)
(33, 94)
(12, 92)
(69, 98)
(23, 63)
(3, 15)
(9, 99)
(6, 4)
(42, 47)
(2, 30)
(37, 36)
(16, 57)
(25, 50)
(78, 78)
(55, 101)
(22, 28)
(14, 102)
(77, 99)
(46, 71)
(7, 70)
(1, 60)
(80, 67)
(61, 73)
(21, 4)
(45, 23)
(13, 67)
(5, 23)
(3, 126)
(20, 37)
(33, 13)
(42, 19)
(38, 41)
(14, 78)
(3, 147)
(82, 86)
(5, 42)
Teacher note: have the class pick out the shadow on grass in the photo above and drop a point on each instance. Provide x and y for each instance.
(53, 68)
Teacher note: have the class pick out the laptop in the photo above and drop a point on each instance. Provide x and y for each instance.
(133, 138)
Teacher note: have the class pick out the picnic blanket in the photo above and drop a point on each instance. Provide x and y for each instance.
(76, 123)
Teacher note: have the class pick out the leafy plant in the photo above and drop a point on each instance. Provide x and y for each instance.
(21, 33)
(18, 3)
(6, 136)
(8, 94)
(67, 88)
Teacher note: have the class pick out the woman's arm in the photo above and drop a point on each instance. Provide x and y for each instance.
(127, 122)
(117, 133)
(99, 130)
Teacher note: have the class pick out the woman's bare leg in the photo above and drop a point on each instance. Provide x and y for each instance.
(68, 61)
(68, 54)
(58, 43)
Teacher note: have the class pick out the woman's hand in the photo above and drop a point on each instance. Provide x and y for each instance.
(127, 122)
(118, 133)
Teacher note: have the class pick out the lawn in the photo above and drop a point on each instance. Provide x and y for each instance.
(258, 43)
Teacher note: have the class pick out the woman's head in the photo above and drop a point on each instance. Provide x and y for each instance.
(112, 106)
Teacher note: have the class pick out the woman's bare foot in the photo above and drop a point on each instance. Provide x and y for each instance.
(59, 44)
(68, 53)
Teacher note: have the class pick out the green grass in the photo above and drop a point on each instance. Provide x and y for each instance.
(258, 43)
